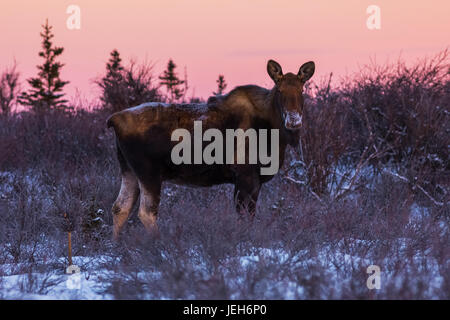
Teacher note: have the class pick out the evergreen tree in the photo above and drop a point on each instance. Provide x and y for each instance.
(126, 86)
(111, 84)
(46, 89)
(221, 85)
(170, 80)
(114, 66)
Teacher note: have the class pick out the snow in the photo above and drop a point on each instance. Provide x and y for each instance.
(57, 285)
(337, 262)
(197, 107)
(144, 106)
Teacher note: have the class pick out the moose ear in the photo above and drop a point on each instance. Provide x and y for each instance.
(306, 71)
(274, 70)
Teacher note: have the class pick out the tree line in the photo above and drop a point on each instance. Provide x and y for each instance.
(122, 86)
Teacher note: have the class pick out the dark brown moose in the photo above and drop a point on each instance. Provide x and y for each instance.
(144, 142)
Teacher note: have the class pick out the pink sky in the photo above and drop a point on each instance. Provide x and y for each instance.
(211, 37)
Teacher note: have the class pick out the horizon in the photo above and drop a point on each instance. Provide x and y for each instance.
(201, 38)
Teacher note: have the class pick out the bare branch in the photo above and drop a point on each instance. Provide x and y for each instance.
(406, 180)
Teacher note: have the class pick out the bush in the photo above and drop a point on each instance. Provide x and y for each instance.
(9, 89)
(395, 116)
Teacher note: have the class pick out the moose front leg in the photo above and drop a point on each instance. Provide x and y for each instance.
(246, 191)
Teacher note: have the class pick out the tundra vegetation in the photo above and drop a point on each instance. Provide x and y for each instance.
(367, 185)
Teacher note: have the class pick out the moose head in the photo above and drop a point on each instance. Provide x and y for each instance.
(289, 91)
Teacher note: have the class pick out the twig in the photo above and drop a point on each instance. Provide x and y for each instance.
(316, 195)
(362, 163)
(404, 179)
(70, 247)
(294, 181)
(69, 238)
(303, 184)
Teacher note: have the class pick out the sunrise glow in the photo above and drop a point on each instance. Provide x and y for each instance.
(234, 38)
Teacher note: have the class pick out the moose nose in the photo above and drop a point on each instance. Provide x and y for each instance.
(293, 120)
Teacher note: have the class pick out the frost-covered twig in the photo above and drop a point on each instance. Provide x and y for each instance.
(404, 179)
(303, 184)
(363, 161)
(316, 195)
(294, 180)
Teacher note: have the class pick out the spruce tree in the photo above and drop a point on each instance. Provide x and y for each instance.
(221, 85)
(46, 91)
(114, 67)
(170, 80)
(126, 86)
(111, 84)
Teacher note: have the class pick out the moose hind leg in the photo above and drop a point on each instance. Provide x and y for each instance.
(128, 194)
(148, 206)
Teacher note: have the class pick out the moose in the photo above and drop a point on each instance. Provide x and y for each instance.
(144, 140)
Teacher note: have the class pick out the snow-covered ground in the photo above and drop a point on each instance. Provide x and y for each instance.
(340, 264)
(337, 262)
(56, 284)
